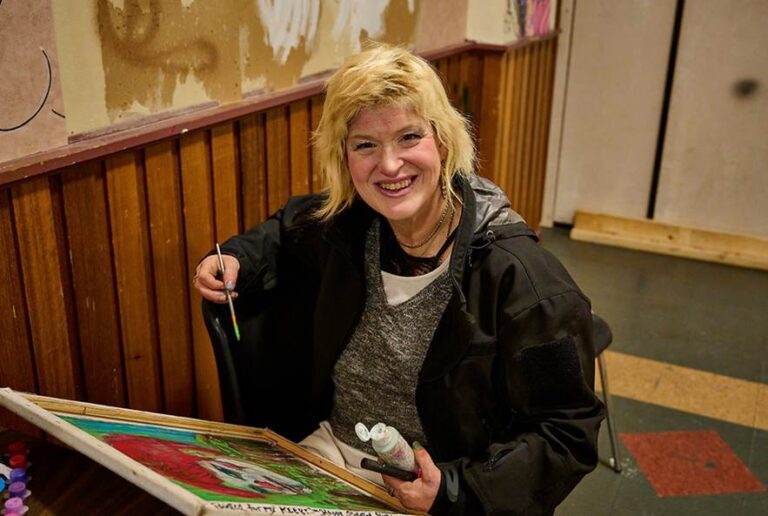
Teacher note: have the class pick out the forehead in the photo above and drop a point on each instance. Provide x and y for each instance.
(382, 119)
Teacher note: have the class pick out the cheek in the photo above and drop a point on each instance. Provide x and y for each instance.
(358, 169)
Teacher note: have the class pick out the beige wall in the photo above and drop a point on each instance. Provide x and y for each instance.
(608, 99)
(714, 172)
(441, 23)
(30, 95)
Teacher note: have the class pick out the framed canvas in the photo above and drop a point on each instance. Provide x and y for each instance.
(203, 467)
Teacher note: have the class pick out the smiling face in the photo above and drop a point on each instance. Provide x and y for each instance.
(394, 160)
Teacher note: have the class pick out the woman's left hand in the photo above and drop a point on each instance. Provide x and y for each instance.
(421, 493)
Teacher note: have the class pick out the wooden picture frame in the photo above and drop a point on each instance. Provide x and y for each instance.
(204, 467)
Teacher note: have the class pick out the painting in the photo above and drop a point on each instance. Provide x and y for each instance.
(505, 22)
(198, 466)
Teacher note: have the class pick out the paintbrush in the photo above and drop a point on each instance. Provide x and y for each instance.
(228, 294)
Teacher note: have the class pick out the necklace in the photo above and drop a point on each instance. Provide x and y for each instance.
(431, 233)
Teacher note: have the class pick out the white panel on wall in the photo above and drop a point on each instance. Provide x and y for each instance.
(714, 172)
(613, 96)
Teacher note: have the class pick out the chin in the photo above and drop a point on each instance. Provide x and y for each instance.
(397, 214)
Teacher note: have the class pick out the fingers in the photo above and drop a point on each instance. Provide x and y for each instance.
(429, 472)
(231, 269)
(421, 493)
(206, 282)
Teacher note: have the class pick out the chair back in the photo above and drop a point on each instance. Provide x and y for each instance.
(601, 334)
(264, 377)
(218, 323)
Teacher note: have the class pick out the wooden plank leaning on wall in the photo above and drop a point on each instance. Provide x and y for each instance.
(128, 329)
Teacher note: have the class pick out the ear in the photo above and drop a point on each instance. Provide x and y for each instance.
(443, 151)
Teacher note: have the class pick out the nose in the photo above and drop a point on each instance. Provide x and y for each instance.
(391, 162)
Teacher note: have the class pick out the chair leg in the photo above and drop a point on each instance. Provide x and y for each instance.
(616, 457)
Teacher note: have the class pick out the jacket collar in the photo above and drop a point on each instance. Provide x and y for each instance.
(486, 216)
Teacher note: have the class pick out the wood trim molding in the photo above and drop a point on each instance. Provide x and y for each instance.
(669, 239)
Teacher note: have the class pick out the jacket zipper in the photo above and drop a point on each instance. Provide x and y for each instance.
(487, 239)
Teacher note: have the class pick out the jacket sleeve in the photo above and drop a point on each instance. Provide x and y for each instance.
(548, 440)
(257, 251)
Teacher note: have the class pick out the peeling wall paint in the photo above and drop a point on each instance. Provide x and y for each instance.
(124, 60)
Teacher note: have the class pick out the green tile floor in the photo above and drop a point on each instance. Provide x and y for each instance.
(695, 314)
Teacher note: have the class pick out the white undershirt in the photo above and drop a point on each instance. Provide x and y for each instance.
(400, 289)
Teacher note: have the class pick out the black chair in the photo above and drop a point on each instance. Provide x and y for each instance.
(218, 323)
(255, 390)
(602, 339)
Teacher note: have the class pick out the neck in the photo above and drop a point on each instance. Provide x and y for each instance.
(413, 234)
(433, 240)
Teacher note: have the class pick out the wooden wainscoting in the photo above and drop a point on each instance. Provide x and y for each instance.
(520, 148)
(97, 257)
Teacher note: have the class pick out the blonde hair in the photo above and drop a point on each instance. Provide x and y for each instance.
(385, 75)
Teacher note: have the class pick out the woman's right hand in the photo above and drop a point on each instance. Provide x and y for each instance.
(205, 280)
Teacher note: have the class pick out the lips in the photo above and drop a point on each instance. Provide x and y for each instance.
(397, 185)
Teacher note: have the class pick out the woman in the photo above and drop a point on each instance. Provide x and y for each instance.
(410, 293)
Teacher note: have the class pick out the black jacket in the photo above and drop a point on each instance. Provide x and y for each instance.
(505, 393)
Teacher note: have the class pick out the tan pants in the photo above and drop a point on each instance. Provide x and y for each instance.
(324, 443)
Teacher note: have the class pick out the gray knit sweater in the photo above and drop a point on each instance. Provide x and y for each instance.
(375, 377)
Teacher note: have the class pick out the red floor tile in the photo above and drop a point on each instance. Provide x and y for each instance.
(690, 463)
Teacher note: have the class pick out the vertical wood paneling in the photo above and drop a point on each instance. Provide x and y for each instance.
(43, 267)
(164, 207)
(471, 86)
(464, 104)
(253, 166)
(299, 120)
(135, 286)
(16, 361)
(442, 68)
(454, 80)
(196, 180)
(490, 104)
(278, 159)
(225, 181)
(506, 144)
(529, 130)
(536, 192)
(548, 103)
(93, 279)
(518, 132)
(524, 78)
(317, 112)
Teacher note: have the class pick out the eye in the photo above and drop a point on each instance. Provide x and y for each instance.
(361, 146)
(411, 138)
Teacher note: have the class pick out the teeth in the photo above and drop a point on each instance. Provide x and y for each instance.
(395, 186)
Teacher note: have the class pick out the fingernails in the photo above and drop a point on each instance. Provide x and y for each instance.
(417, 445)
(229, 285)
